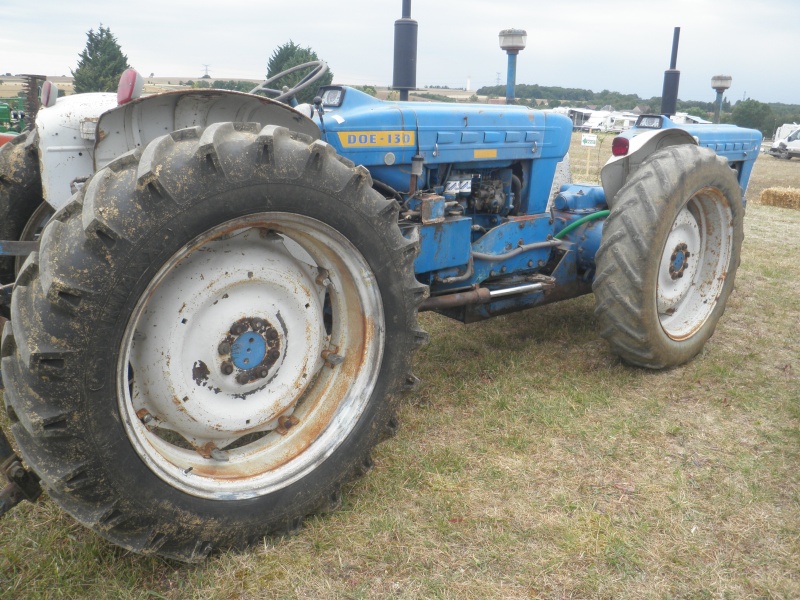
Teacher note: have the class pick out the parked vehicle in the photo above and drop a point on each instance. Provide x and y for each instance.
(786, 142)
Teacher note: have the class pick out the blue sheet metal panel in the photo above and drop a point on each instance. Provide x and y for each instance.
(732, 142)
(443, 245)
(504, 239)
(568, 285)
(370, 132)
(466, 133)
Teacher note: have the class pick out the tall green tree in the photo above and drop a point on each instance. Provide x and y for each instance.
(754, 114)
(290, 55)
(101, 63)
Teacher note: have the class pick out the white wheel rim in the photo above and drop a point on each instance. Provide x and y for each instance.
(196, 410)
(694, 263)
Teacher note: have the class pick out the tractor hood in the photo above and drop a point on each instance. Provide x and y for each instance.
(375, 133)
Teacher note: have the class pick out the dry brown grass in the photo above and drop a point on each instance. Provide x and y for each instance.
(532, 464)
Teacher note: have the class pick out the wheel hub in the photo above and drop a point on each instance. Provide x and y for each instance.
(679, 261)
(250, 350)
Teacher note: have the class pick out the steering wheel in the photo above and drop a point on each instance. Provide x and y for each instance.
(318, 69)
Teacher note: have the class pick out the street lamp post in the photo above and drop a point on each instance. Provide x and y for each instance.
(720, 83)
(512, 41)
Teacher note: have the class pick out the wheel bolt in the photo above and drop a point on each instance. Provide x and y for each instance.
(243, 378)
(273, 354)
(332, 358)
(219, 455)
(257, 323)
(323, 278)
(224, 348)
(238, 328)
(263, 373)
(16, 471)
(226, 368)
(271, 334)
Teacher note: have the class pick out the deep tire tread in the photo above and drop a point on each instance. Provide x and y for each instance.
(629, 255)
(20, 193)
(77, 272)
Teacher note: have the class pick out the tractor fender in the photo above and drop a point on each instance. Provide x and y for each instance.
(66, 142)
(616, 172)
(137, 123)
(82, 133)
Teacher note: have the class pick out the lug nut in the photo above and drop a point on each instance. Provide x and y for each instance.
(332, 358)
(16, 471)
(238, 328)
(273, 354)
(219, 455)
(224, 348)
(243, 378)
(323, 278)
(271, 334)
(257, 323)
(263, 373)
(226, 368)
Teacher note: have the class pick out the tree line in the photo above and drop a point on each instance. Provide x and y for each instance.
(102, 62)
(765, 117)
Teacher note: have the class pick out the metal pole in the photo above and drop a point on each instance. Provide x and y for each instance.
(511, 80)
(718, 105)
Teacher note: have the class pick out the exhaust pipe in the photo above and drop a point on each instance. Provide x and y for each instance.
(405, 53)
(672, 77)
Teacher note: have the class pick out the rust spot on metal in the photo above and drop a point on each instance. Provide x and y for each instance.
(205, 449)
(285, 424)
(200, 372)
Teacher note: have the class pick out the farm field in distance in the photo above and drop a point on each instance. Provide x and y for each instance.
(531, 463)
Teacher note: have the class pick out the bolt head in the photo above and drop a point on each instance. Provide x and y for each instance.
(226, 368)
(224, 348)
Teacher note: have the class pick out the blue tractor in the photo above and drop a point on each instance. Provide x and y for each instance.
(218, 307)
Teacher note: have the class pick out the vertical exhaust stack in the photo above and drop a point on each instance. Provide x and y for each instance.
(672, 77)
(405, 53)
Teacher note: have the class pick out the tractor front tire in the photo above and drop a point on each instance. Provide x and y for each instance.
(668, 258)
(211, 339)
(20, 193)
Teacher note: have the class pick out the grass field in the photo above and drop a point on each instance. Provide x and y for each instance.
(531, 463)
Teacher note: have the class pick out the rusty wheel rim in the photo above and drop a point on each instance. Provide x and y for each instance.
(694, 263)
(250, 356)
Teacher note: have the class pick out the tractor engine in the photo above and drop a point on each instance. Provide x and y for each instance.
(482, 191)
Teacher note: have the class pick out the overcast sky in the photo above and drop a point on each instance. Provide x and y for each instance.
(620, 45)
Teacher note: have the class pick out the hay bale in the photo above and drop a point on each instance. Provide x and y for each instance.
(785, 197)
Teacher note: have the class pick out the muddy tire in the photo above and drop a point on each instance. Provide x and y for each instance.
(669, 255)
(20, 193)
(211, 339)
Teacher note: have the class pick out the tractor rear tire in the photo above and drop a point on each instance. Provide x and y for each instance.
(20, 193)
(668, 258)
(211, 339)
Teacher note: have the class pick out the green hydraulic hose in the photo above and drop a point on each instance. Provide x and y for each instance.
(602, 214)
